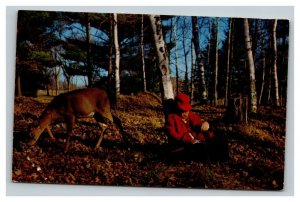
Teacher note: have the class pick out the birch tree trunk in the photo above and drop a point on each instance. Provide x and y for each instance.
(253, 96)
(176, 59)
(216, 67)
(185, 52)
(143, 55)
(163, 60)
(111, 41)
(228, 63)
(198, 58)
(275, 78)
(117, 61)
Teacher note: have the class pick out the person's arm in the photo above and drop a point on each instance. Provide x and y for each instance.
(196, 123)
(178, 131)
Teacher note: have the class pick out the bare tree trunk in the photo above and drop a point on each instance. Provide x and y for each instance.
(263, 77)
(254, 39)
(19, 89)
(263, 66)
(198, 58)
(143, 55)
(275, 78)
(47, 90)
(117, 62)
(192, 71)
(56, 74)
(228, 63)
(253, 97)
(216, 63)
(231, 58)
(162, 57)
(209, 83)
(185, 52)
(88, 50)
(111, 41)
(176, 59)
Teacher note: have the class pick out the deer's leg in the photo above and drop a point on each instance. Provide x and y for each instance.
(103, 127)
(36, 133)
(70, 125)
(50, 133)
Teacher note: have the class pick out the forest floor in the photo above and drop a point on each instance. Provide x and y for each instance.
(256, 150)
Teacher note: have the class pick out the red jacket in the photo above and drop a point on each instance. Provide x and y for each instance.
(179, 130)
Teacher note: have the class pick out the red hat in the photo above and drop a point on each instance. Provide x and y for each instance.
(183, 102)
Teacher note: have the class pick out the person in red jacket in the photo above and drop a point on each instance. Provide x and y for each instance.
(187, 129)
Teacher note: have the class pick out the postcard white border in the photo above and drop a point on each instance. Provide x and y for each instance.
(22, 189)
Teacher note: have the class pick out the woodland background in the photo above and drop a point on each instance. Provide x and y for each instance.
(211, 59)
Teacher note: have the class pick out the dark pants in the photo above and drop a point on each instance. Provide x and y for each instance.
(214, 149)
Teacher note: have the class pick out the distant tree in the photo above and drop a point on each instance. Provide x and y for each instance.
(200, 65)
(229, 38)
(88, 50)
(192, 70)
(33, 54)
(185, 53)
(263, 65)
(143, 54)
(216, 65)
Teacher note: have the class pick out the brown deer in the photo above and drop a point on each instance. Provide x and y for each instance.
(89, 102)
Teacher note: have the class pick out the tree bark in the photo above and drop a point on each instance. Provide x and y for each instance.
(88, 50)
(176, 59)
(198, 58)
(56, 73)
(19, 89)
(163, 60)
(143, 55)
(253, 96)
(117, 61)
(232, 45)
(228, 63)
(208, 64)
(216, 67)
(262, 42)
(192, 71)
(111, 41)
(275, 78)
(185, 52)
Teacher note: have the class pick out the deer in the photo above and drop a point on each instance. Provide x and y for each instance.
(81, 103)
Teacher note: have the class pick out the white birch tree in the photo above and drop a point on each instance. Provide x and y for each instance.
(216, 65)
(117, 59)
(253, 96)
(163, 60)
(228, 63)
(275, 78)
